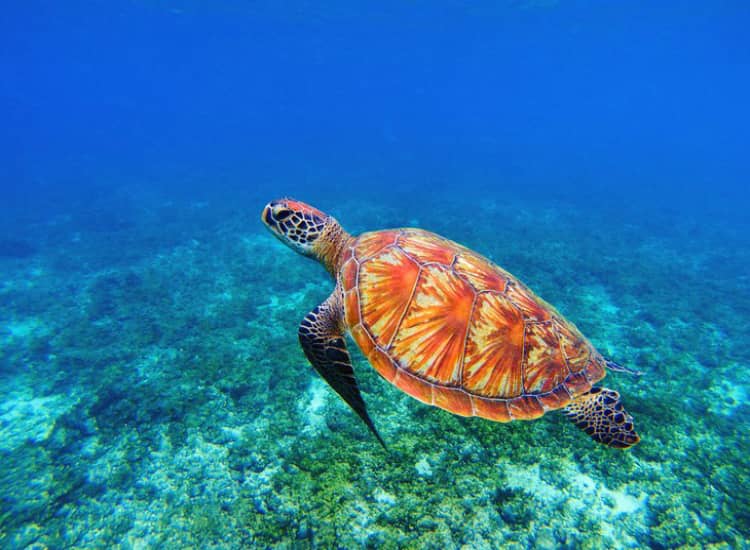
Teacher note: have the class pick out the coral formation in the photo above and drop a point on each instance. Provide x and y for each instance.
(158, 397)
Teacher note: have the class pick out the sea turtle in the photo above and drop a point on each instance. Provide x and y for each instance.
(447, 326)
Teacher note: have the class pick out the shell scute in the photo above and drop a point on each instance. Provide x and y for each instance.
(494, 348)
(370, 244)
(383, 364)
(480, 273)
(574, 346)
(491, 409)
(430, 340)
(386, 284)
(595, 369)
(351, 308)
(556, 399)
(526, 407)
(427, 247)
(349, 272)
(414, 386)
(453, 399)
(363, 339)
(577, 383)
(544, 366)
(532, 306)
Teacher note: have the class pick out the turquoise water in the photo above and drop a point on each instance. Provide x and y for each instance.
(152, 390)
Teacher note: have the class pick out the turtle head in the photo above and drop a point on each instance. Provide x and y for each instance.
(305, 229)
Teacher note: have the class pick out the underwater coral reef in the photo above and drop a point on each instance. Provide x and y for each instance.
(153, 393)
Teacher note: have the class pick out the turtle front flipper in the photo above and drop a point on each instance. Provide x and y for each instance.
(599, 413)
(323, 342)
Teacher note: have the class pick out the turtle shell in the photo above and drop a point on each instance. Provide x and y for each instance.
(452, 329)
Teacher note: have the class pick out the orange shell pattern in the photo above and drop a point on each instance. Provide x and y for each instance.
(452, 329)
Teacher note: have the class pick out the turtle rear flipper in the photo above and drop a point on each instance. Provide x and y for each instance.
(323, 343)
(599, 413)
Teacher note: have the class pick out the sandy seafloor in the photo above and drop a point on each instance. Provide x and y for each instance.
(153, 394)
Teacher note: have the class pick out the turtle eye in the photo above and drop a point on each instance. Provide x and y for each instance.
(282, 214)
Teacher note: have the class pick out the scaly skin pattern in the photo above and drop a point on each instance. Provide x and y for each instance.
(453, 330)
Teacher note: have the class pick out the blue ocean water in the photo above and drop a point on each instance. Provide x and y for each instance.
(152, 389)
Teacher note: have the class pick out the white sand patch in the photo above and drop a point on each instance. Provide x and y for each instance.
(598, 299)
(313, 404)
(233, 434)
(27, 418)
(22, 328)
(196, 474)
(727, 397)
(528, 479)
(625, 503)
(598, 302)
(273, 302)
(423, 468)
(153, 363)
(383, 497)
(620, 514)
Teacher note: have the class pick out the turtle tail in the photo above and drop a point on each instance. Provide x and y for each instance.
(616, 367)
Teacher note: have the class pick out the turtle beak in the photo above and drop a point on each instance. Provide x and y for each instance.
(274, 213)
(276, 216)
(267, 216)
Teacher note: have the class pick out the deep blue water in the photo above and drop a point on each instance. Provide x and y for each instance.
(588, 147)
(645, 104)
